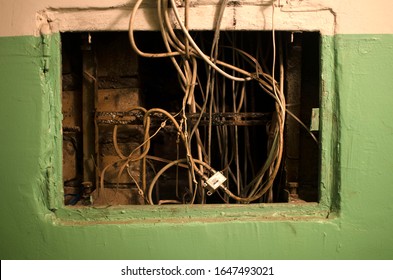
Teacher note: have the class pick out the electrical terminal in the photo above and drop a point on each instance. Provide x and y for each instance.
(214, 182)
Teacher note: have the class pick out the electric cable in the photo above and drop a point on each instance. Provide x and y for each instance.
(183, 52)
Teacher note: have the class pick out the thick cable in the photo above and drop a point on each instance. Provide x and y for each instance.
(132, 38)
(198, 50)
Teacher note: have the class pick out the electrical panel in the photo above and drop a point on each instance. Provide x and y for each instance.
(174, 130)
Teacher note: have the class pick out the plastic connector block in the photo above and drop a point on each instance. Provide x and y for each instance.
(214, 182)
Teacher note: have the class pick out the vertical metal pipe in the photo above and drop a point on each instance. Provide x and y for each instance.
(293, 80)
(89, 92)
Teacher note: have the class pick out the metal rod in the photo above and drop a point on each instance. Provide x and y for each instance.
(218, 119)
(89, 87)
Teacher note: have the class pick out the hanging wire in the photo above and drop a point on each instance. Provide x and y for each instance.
(186, 56)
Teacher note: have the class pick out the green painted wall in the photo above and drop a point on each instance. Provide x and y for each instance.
(353, 219)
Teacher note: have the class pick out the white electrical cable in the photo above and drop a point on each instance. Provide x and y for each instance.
(262, 182)
(132, 39)
(199, 51)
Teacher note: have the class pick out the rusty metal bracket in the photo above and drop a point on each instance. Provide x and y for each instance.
(218, 119)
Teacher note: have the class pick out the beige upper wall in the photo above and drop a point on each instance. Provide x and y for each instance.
(21, 17)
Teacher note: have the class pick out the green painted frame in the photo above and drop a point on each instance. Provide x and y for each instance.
(327, 207)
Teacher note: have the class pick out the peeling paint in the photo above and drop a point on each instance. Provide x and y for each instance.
(353, 17)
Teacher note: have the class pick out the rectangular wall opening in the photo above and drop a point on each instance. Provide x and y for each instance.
(132, 137)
